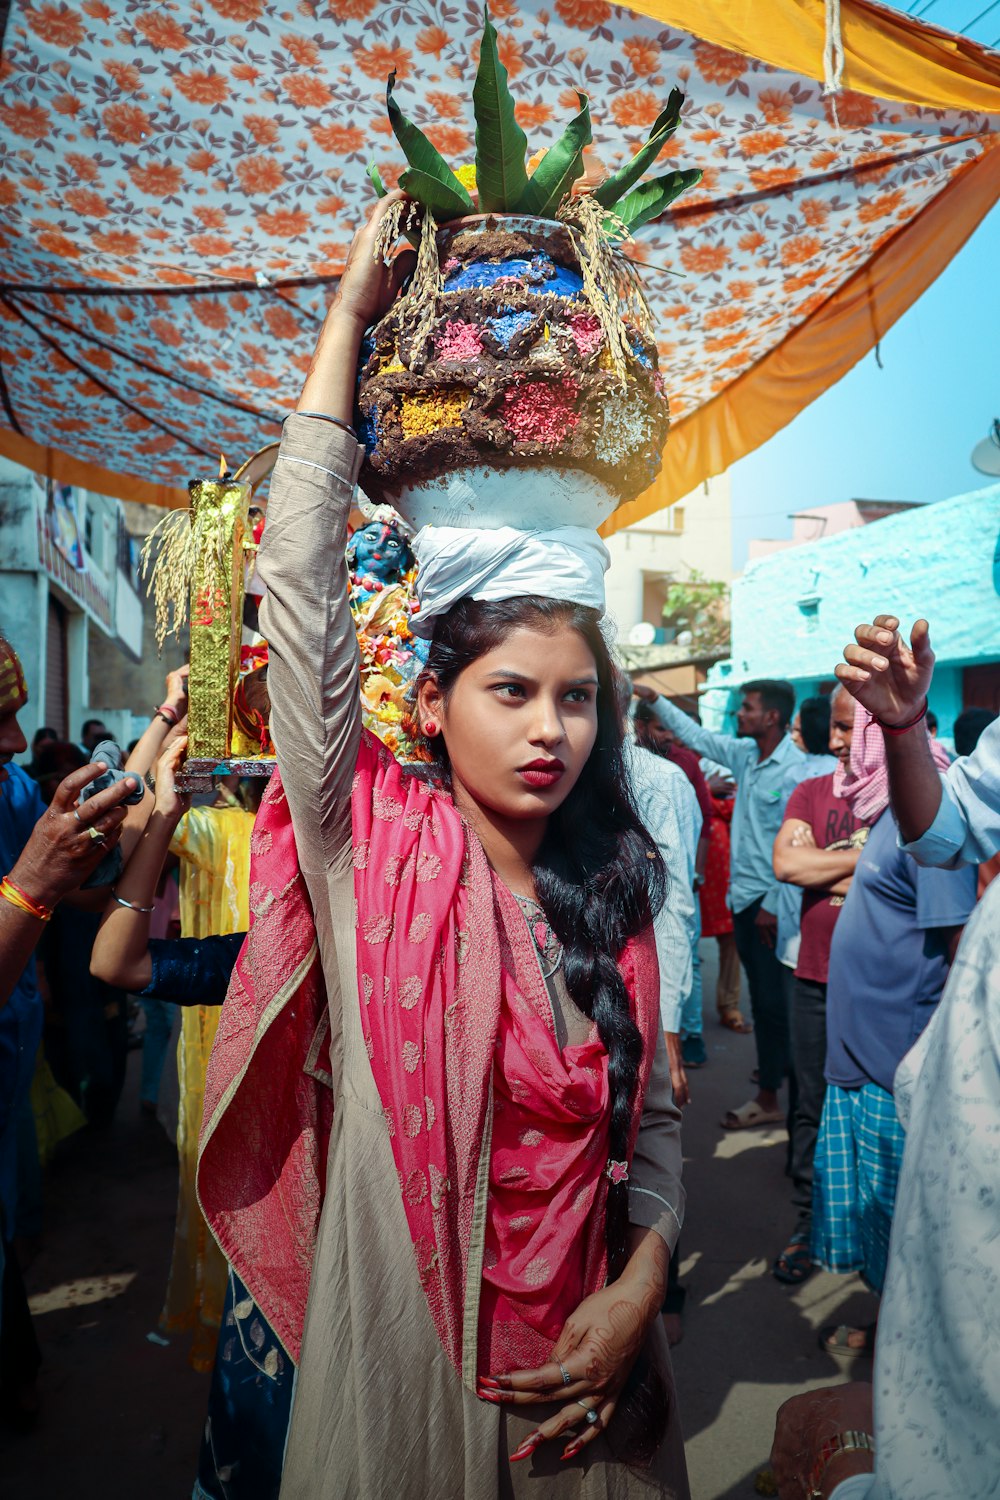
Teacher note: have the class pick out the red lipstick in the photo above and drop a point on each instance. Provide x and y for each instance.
(542, 773)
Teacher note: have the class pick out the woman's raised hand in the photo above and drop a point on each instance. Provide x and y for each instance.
(885, 675)
(368, 287)
(597, 1348)
(170, 803)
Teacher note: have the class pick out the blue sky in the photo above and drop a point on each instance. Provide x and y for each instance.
(904, 432)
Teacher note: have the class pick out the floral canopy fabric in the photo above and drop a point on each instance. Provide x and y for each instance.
(178, 185)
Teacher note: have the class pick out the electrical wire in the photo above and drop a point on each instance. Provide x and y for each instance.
(976, 19)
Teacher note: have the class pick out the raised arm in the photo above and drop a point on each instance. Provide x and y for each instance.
(890, 679)
(120, 955)
(313, 666)
(58, 856)
(726, 749)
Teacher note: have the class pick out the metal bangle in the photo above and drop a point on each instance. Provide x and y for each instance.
(322, 416)
(130, 905)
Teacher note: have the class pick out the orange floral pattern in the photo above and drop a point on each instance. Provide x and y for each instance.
(197, 171)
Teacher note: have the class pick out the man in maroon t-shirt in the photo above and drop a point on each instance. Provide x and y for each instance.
(817, 848)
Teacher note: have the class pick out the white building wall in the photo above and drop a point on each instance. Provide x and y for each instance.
(694, 535)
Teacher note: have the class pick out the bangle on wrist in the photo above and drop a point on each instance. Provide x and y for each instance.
(129, 905)
(851, 1441)
(20, 898)
(166, 713)
(322, 416)
(903, 728)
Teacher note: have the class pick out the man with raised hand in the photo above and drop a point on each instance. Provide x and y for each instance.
(943, 821)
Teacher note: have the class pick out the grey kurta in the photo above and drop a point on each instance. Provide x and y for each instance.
(379, 1412)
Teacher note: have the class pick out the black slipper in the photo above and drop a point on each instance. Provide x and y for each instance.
(794, 1265)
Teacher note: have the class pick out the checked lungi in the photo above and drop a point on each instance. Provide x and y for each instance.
(858, 1158)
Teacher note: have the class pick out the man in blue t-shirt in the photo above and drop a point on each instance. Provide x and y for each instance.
(889, 960)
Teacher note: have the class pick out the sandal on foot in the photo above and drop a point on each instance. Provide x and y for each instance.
(751, 1114)
(794, 1265)
(733, 1020)
(834, 1339)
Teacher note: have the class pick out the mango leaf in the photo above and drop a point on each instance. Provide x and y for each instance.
(650, 199)
(618, 184)
(559, 168)
(426, 160)
(501, 144)
(436, 195)
(375, 176)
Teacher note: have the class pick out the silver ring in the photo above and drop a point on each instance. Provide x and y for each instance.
(567, 1378)
(591, 1413)
(76, 814)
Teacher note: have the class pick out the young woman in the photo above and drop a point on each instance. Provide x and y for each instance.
(439, 1100)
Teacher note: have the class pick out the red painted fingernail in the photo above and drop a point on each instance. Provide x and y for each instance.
(490, 1396)
(572, 1451)
(527, 1447)
(488, 1380)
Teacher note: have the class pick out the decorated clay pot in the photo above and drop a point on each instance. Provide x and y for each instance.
(500, 404)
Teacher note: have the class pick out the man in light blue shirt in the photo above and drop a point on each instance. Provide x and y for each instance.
(760, 755)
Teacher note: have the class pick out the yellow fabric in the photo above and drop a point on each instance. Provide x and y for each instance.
(65, 469)
(823, 348)
(56, 1113)
(213, 845)
(888, 55)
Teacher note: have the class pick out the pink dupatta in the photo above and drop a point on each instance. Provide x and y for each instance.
(451, 997)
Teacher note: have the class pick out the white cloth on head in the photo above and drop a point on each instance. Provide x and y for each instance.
(458, 562)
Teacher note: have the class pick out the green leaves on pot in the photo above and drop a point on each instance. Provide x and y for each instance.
(429, 179)
(558, 169)
(501, 144)
(375, 177)
(618, 184)
(650, 199)
(502, 180)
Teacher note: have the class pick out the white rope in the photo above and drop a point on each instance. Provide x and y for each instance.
(833, 55)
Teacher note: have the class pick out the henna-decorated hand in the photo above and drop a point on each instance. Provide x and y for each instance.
(598, 1346)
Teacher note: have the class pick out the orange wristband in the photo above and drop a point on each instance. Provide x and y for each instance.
(14, 894)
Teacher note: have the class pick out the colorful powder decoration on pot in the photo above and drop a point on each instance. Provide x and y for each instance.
(429, 411)
(541, 411)
(459, 341)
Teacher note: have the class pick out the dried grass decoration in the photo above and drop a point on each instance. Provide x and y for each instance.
(523, 337)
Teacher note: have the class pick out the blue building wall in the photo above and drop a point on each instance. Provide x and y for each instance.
(793, 612)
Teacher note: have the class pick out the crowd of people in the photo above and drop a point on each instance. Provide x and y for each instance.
(430, 1174)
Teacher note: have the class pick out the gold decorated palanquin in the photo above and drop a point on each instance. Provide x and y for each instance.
(203, 558)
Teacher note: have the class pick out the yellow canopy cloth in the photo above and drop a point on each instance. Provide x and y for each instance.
(213, 844)
(179, 186)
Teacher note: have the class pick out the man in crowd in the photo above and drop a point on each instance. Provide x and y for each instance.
(889, 961)
(44, 855)
(760, 755)
(815, 853)
(653, 736)
(92, 734)
(811, 733)
(668, 807)
(937, 1362)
